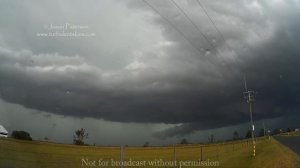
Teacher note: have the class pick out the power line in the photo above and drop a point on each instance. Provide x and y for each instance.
(217, 29)
(167, 20)
(214, 25)
(211, 20)
(193, 23)
(197, 27)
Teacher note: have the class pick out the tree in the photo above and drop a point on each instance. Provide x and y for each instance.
(79, 136)
(46, 138)
(288, 130)
(262, 132)
(248, 134)
(146, 144)
(211, 138)
(21, 135)
(235, 135)
(184, 141)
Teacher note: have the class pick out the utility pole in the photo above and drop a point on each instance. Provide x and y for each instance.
(249, 96)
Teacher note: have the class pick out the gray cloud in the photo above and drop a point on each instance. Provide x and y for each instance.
(140, 69)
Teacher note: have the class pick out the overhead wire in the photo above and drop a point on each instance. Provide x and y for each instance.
(195, 25)
(211, 20)
(192, 22)
(170, 23)
(216, 28)
(221, 34)
(214, 25)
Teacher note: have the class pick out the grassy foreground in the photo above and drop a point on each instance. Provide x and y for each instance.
(27, 154)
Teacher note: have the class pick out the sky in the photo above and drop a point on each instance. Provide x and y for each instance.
(134, 71)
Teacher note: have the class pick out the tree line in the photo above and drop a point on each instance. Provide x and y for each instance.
(81, 135)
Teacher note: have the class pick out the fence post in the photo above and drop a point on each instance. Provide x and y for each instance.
(218, 151)
(201, 153)
(174, 156)
(122, 156)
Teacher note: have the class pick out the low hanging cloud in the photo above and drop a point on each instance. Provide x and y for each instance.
(163, 79)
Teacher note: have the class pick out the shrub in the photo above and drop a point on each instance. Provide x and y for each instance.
(21, 135)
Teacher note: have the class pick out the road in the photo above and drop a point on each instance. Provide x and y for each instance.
(293, 142)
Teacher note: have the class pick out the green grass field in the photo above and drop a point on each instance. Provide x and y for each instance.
(34, 154)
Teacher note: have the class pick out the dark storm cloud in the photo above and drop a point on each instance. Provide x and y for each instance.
(173, 80)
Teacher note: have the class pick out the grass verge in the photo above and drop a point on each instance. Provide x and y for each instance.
(33, 154)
